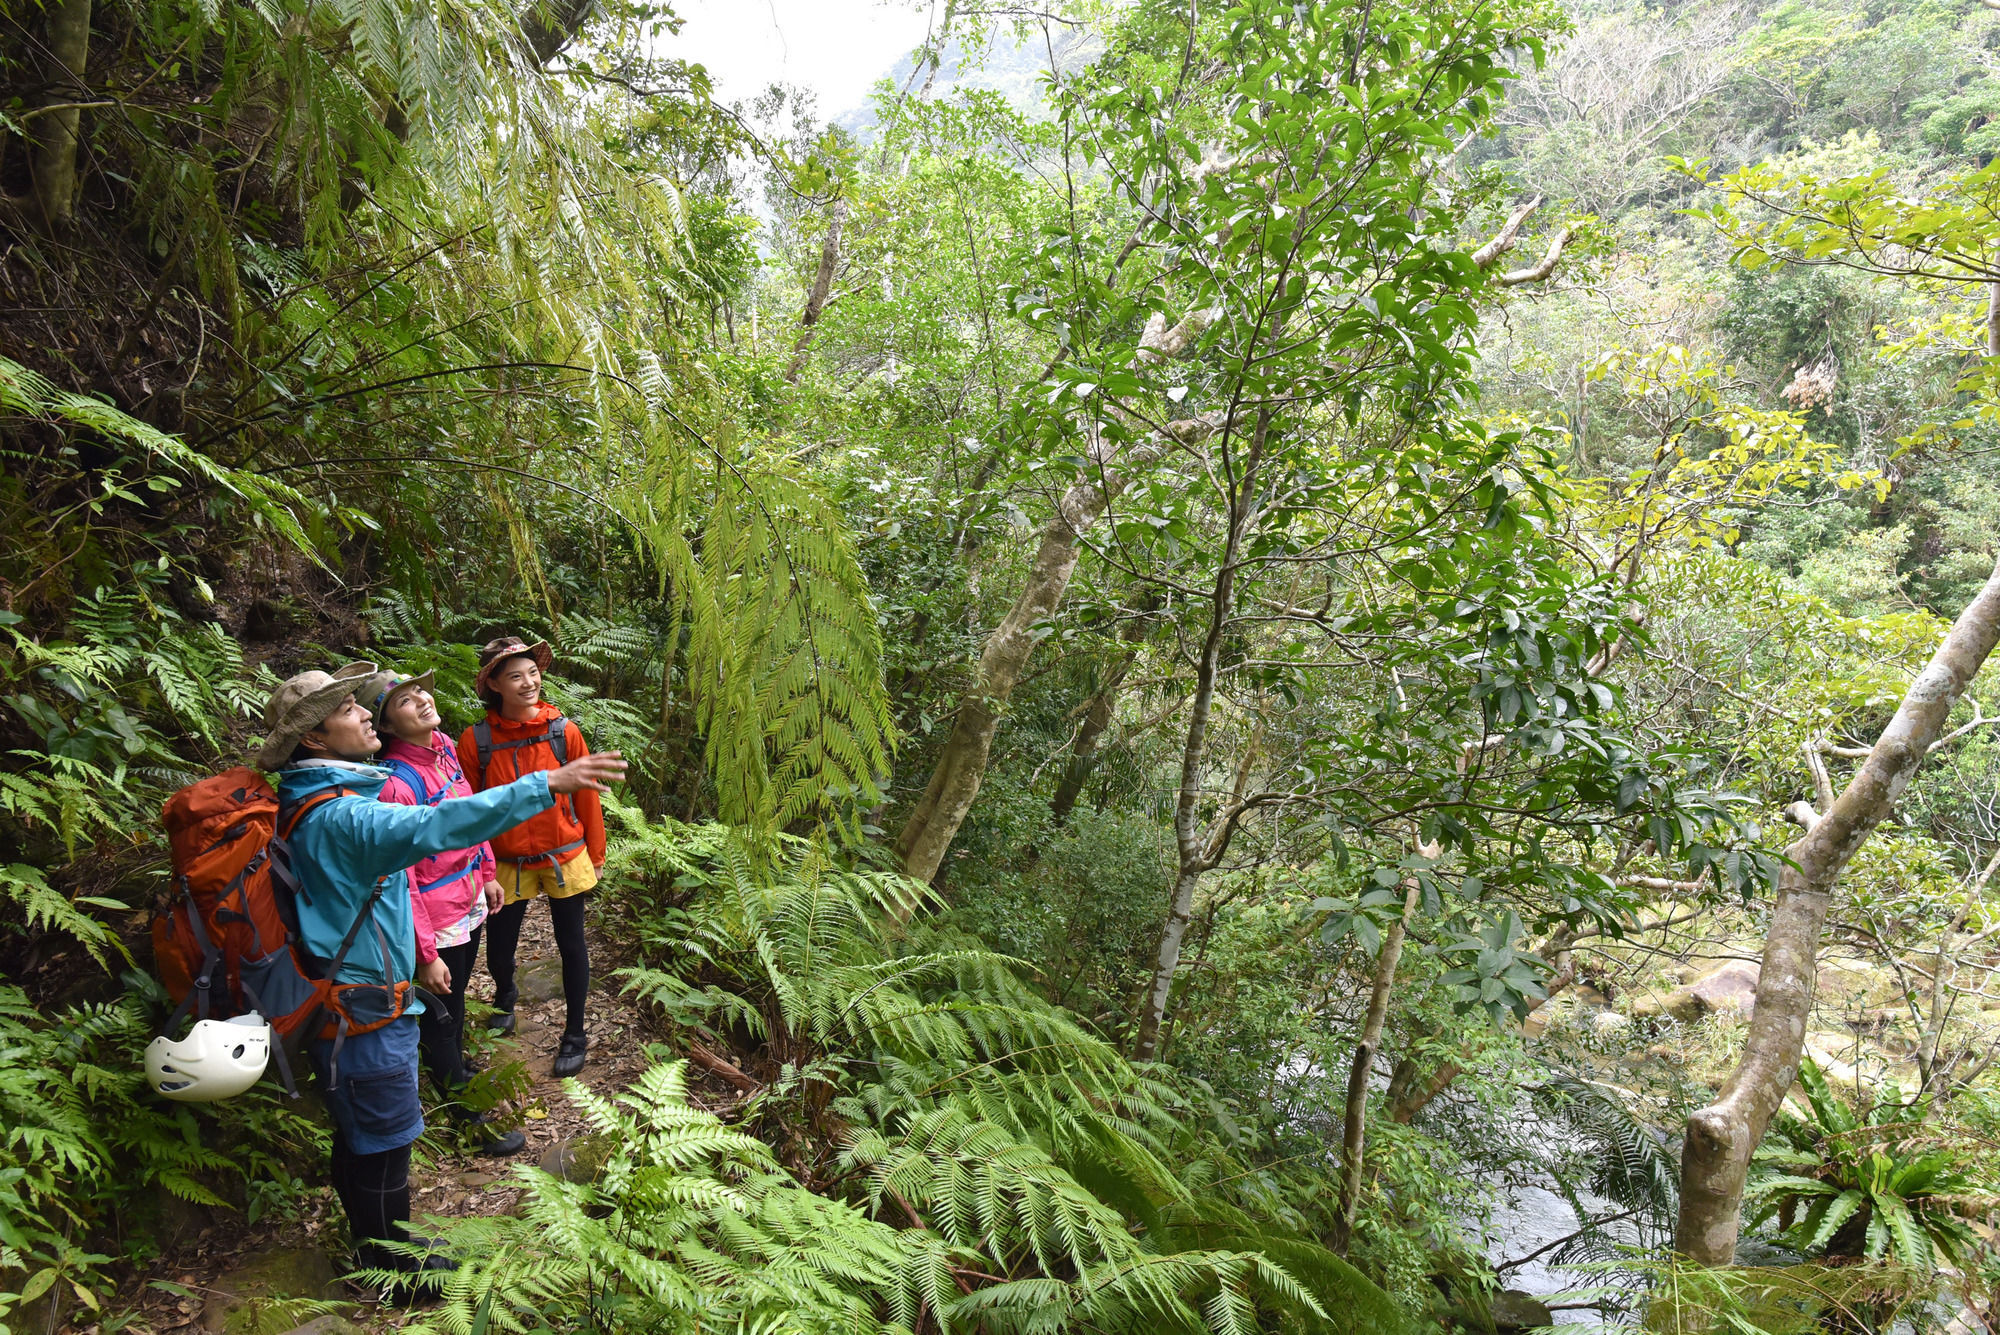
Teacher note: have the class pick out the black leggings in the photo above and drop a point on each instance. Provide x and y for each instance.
(442, 1024)
(503, 935)
(374, 1189)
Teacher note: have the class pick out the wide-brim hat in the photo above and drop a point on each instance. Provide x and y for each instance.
(507, 647)
(380, 689)
(300, 704)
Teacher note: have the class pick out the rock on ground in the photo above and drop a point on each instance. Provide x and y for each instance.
(1731, 989)
(540, 980)
(330, 1324)
(251, 1298)
(1514, 1310)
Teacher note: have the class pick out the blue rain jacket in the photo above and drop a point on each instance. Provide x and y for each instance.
(342, 847)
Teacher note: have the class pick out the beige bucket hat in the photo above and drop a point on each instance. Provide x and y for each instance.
(300, 704)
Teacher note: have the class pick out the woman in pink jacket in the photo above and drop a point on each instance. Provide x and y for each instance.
(451, 893)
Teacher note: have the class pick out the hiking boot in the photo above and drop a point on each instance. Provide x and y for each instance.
(505, 1145)
(414, 1281)
(569, 1054)
(421, 1285)
(500, 1144)
(502, 1022)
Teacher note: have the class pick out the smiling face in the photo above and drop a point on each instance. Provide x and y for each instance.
(518, 683)
(347, 734)
(411, 715)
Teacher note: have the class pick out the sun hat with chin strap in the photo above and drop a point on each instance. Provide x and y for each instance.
(505, 649)
(301, 703)
(379, 690)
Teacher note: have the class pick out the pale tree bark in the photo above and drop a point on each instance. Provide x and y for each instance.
(1722, 1136)
(1354, 1130)
(961, 767)
(56, 129)
(829, 262)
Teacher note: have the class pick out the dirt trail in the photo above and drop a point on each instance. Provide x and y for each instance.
(215, 1249)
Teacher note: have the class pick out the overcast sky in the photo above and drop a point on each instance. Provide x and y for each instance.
(837, 48)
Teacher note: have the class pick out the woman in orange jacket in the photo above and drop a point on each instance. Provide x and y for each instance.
(558, 853)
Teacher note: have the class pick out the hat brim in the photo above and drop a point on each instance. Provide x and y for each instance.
(383, 690)
(310, 711)
(539, 651)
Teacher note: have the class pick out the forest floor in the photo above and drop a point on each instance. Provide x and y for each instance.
(217, 1269)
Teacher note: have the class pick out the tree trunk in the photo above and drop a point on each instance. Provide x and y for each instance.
(1179, 913)
(829, 260)
(551, 25)
(1409, 1096)
(1355, 1130)
(962, 766)
(1722, 1136)
(1198, 852)
(1082, 756)
(1096, 719)
(56, 133)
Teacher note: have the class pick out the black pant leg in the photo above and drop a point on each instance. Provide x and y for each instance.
(378, 1207)
(442, 1025)
(567, 916)
(503, 937)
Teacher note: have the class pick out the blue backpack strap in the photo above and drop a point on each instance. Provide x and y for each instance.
(454, 773)
(472, 864)
(413, 779)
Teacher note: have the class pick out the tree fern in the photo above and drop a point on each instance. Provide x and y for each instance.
(273, 503)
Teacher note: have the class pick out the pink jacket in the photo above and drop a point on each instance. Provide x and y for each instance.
(443, 888)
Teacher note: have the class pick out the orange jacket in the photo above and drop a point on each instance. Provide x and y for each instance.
(576, 816)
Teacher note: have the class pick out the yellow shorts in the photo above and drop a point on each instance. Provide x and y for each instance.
(539, 878)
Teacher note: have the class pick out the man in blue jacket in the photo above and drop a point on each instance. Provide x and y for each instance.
(348, 853)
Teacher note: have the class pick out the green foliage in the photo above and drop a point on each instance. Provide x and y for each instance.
(508, 344)
(1618, 1158)
(1018, 1172)
(1687, 1299)
(85, 1142)
(117, 705)
(164, 464)
(1867, 1183)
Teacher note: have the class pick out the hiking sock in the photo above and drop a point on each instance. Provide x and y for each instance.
(567, 916)
(503, 937)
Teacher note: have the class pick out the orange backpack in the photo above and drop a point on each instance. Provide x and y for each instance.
(228, 942)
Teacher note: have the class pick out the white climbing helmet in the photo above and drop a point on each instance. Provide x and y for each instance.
(219, 1059)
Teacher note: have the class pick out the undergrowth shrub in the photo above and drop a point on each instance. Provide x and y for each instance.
(86, 1148)
(931, 1143)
